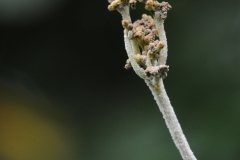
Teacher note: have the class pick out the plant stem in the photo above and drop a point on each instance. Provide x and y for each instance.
(162, 36)
(159, 92)
(131, 50)
(171, 120)
(130, 45)
(125, 13)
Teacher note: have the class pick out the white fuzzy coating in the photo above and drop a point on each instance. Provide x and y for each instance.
(171, 120)
(159, 93)
(132, 49)
(131, 46)
(162, 36)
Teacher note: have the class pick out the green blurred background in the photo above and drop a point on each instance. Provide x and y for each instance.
(65, 95)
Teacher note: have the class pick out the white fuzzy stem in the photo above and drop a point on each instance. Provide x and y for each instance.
(132, 49)
(171, 120)
(130, 45)
(162, 36)
(125, 13)
(156, 84)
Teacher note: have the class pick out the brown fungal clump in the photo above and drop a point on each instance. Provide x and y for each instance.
(160, 71)
(145, 33)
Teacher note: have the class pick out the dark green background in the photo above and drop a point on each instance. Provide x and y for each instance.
(71, 54)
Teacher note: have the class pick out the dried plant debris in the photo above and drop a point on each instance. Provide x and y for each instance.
(160, 71)
(128, 64)
(150, 5)
(145, 33)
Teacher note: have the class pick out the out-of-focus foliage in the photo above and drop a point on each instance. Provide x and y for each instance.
(62, 98)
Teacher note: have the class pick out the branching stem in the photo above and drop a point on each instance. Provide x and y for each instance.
(155, 82)
(131, 50)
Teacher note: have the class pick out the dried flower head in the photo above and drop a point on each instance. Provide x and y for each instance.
(116, 4)
(128, 64)
(125, 24)
(154, 5)
(144, 34)
(160, 71)
(142, 44)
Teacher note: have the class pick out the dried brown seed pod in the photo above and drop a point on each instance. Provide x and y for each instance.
(125, 24)
(160, 45)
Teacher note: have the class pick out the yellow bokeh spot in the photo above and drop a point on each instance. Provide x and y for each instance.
(26, 135)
